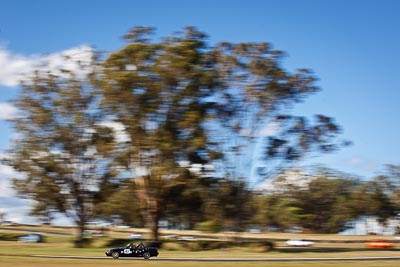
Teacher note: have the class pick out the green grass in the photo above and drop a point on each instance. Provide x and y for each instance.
(329, 246)
(66, 248)
(38, 262)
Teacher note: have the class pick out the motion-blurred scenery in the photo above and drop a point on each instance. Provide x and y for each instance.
(189, 142)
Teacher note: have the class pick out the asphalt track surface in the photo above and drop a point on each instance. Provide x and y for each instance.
(217, 259)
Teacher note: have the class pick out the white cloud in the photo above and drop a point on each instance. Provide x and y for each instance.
(17, 210)
(15, 68)
(6, 174)
(14, 208)
(7, 111)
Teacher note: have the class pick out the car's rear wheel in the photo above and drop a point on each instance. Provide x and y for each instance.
(146, 255)
(115, 255)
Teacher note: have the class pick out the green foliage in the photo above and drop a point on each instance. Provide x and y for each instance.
(83, 243)
(375, 198)
(202, 245)
(62, 149)
(179, 100)
(326, 204)
(234, 204)
(209, 227)
(9, 236)
(392, 185)
(119, 202)
(185, 200)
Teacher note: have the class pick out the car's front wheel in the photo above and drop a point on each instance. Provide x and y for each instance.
(146, 255)
(115, 255)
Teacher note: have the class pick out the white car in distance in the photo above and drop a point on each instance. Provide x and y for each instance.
(299, 243)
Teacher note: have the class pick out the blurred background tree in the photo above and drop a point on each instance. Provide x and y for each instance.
(235, 205)
(183, 105)
(375, 198)
(119, 205)
(62, 150)
(185, 201)
(393, 176)
(158, 91)
(184, 101)
(326, 202)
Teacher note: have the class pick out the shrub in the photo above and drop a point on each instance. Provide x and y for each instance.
(9, 237)
(209, 227)
(83, 243)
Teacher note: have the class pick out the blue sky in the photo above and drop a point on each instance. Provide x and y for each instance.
(352, 46)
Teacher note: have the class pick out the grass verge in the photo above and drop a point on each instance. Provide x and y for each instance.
(37, 262)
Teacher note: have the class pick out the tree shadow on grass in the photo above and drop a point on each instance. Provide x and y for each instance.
(329, 249)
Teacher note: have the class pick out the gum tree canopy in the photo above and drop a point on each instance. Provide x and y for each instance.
(182, 100)
(62, 149)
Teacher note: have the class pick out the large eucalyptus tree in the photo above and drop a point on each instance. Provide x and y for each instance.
(61, 148)
(182, 100)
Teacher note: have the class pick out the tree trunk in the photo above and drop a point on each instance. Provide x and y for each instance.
(80, 240)
(150, 204)
(153, 225)
(81, 231)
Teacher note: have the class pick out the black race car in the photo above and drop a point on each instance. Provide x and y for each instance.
(130, 250)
